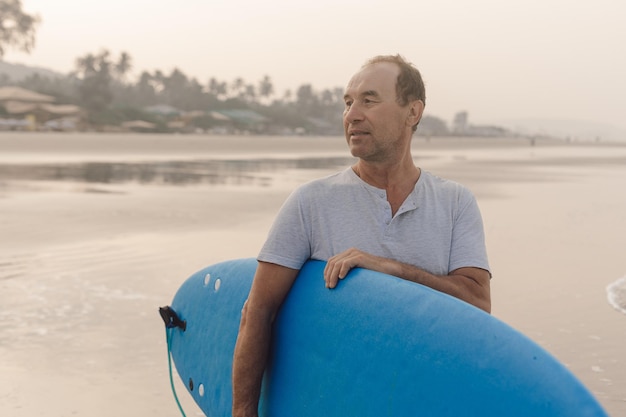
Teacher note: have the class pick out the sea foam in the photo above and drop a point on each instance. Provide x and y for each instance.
(616, 293)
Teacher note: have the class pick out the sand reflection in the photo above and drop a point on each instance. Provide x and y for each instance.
(222, 172)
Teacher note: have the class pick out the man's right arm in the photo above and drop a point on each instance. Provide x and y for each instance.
(270, 287)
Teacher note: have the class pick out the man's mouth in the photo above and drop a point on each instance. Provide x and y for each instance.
(355, 133)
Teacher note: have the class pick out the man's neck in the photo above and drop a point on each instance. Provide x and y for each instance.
(388, 175)
(398, 180)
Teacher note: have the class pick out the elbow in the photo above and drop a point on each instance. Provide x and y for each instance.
(473, 285)
(484, 304)
(251, 316)
(482, 300)
(479, 291)
(478, 296)
(244, 315)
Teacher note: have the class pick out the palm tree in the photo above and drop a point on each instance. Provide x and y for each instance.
(238, 87)
(306, 98)
(249, 93)
(145, 89)
(266, 88)
(213, 86)
(123, 65)
(158, 81)
(218, 89)
(95, 85)
(287, 96)
(327, 97)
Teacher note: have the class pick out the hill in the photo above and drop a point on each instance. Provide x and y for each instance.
(17, 72)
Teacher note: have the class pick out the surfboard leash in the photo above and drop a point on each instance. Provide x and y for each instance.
(172, 321)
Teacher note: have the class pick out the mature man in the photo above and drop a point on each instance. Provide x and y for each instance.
(383, 213)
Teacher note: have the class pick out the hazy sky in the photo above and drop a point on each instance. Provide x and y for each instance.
(497, 59)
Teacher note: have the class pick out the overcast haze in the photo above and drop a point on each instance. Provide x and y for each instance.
(548, 59)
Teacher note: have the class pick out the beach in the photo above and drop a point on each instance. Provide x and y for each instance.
(99, 230)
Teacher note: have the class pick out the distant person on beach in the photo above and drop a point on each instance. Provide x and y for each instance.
(384, 213)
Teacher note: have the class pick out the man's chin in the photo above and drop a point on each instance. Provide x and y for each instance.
(354, 148)
(357, 151)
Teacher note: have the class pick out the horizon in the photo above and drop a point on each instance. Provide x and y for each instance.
(526, 60)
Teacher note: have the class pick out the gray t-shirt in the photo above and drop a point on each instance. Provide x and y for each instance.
(438, 228)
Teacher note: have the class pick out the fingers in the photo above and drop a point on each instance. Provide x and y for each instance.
(334, 272)
(339, 265)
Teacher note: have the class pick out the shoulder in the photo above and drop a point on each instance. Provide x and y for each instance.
(327, 184)
(435, 184)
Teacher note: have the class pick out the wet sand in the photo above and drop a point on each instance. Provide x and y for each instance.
(84, 264)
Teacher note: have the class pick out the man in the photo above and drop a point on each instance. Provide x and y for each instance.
(384, 214)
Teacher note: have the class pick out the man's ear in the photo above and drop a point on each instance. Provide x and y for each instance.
(416, 109)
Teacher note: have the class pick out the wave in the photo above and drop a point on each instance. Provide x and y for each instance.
(616, 293)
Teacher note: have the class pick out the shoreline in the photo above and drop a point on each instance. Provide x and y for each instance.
(102, 146)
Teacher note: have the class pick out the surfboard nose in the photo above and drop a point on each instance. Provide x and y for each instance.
(202, 323)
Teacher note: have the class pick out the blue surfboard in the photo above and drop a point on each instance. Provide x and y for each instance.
(374, 346)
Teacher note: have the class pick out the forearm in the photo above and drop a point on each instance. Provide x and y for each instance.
(468, 284)
(269, 288)
(249, 361)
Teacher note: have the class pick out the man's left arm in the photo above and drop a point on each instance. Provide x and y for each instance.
(469, 284)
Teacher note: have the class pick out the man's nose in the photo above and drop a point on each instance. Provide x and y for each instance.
(353, 113)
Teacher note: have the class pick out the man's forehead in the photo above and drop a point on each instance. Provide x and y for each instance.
(374, 79)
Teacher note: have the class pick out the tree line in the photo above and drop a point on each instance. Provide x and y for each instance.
(100, 85)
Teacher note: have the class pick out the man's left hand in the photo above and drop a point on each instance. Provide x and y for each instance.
(339, 265)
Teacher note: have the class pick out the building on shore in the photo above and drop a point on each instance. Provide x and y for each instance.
(22, 109)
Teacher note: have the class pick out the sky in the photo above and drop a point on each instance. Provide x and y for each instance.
(496, 59)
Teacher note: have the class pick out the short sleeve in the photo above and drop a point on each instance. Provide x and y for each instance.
(288, 241)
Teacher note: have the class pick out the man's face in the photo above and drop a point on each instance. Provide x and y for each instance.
(375, 125)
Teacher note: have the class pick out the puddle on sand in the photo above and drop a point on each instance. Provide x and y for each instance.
(230, 172)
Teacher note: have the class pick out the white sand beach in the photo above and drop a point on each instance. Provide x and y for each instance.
(85, 264)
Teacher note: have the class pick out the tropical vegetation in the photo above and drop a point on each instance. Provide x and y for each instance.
(100, 85)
